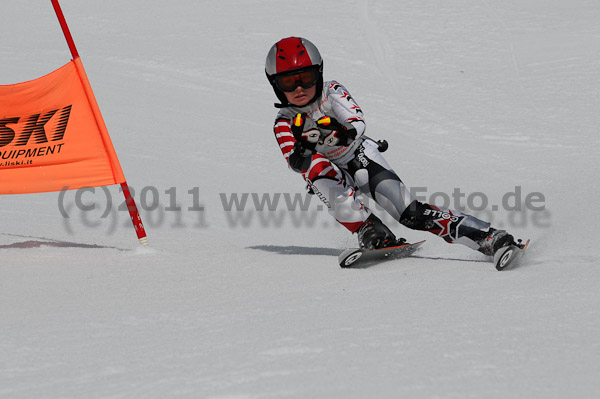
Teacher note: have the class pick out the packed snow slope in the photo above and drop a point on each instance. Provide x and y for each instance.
(480, 101)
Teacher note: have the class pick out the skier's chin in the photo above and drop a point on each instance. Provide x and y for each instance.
(301, 101)
(301, 96)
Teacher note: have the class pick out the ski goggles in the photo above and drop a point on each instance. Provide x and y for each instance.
(306, 78)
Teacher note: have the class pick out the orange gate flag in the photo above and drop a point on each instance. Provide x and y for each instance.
(52, 135)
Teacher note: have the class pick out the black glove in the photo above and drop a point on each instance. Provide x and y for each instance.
(340, 134)
(307, 139)
(305, 145)
(300, 158)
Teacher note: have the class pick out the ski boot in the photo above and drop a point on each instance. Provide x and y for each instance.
(373, 234)
(493, 241)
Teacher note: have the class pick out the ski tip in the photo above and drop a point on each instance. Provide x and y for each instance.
(505, 257)
(510, 255)
(349, 260)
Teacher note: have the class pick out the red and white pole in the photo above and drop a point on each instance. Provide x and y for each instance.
(133, 210)
(135, 215)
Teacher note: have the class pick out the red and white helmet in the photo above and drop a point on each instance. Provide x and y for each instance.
(290, 56)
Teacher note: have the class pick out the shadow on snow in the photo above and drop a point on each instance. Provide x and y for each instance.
(296, 250)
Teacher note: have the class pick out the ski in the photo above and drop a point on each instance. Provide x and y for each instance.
(510, 255)
(362, 257)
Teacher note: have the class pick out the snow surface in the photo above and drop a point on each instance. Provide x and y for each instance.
(479, 96)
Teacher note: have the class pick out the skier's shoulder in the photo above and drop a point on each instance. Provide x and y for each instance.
(284, 116)
(334, 87)
(338, 94)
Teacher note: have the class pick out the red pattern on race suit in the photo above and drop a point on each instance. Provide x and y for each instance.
(323, 175)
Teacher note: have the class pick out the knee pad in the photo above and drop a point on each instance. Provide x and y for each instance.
(416, 216)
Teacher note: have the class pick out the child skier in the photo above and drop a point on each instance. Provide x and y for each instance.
(320, 130)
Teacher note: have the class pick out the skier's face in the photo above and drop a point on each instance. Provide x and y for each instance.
(300, 96)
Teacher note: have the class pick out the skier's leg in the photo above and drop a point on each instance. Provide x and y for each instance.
(328, 183)
(375, 178)
(455, 227)
(451, 225)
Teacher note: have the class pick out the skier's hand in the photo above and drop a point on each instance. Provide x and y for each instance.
(340, 134)
(300, 157)
(305, 144)
(308, 139)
